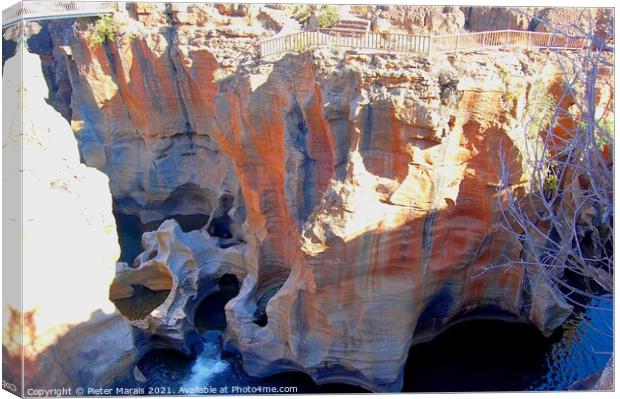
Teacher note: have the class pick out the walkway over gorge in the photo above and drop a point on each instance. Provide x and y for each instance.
(418, 44)
(342, 38)
(26, 11)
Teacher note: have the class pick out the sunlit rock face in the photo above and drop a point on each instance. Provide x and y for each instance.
(354, 197)
(495, 18)
(571, 20)
(139, 117)
(391, 192)
(69, 240)
(416, 20)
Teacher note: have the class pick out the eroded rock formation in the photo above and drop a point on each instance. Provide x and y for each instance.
(160, 293)
(359, 191)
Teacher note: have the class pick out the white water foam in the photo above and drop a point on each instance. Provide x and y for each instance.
(209, 364)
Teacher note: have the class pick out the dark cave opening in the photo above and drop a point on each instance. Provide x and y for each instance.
(220, 227)
(210, 314)
(221, 223)
(478, 355)
(260, 314)
(229, 283)
(471, 354)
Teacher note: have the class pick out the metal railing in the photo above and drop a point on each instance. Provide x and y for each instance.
(41, 10)
(504, 38)
(299, 41)
(417, 44)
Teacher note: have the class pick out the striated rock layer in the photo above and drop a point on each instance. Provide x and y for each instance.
(354, 197)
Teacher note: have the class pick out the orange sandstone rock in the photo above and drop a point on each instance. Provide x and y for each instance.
(366, 192)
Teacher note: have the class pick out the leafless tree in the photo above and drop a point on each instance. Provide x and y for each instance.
(563, 214)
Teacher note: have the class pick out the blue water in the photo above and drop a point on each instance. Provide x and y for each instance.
(585, 347)
(174, 372)
(483, 355)
(492, 355)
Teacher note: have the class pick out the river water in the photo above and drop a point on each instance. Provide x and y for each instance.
(482, 355)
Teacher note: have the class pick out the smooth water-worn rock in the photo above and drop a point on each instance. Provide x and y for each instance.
(160, 293)
(353, 196)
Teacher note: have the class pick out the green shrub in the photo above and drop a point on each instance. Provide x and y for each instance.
(105, 29)
(551, 183)
(605, 133)
(362, 11)
(504, 73)
(607, 124)
(86, 20)
(303, 14)
(542, 106)
(513, 94)
(300, 13)
(328, 17)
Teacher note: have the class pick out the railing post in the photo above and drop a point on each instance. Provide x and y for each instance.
(456, 45)
(529, 39)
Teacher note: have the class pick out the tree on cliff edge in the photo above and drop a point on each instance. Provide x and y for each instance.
(563, 215)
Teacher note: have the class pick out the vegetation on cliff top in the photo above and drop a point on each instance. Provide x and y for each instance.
(107, 28)
(327, 16)
(104, 29)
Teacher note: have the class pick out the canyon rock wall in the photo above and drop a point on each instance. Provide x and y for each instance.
(134, 122)
(354, 196)
(68, 239)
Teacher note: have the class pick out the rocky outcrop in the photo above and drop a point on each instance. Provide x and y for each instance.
(69, 242)
(479, 19)
(97, 352)
(434, 20)
(566, 20)
(360, 193)
(420, 20)
(136, 125)
(186, 268)
(368, 188)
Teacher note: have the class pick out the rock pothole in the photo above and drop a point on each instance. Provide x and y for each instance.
(210, 314)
